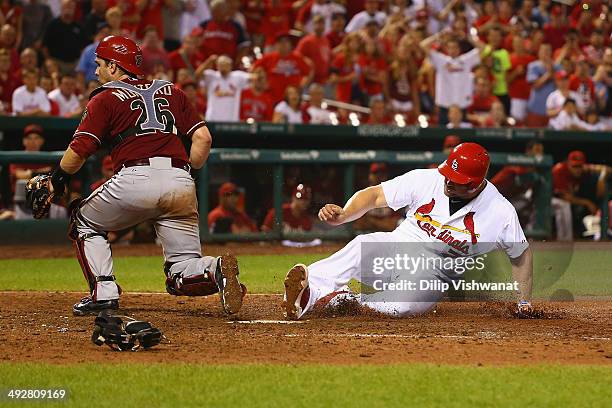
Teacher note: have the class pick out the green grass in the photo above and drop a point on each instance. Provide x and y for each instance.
(584, 273)
(418, 385)
(261, 273)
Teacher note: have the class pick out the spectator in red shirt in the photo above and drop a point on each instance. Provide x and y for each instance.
(344, 73)
(253, 13)
(13, 15)
(492, 17)
(576, 184)
(316, 48)
(150, 12)
(284, 67)
(222, 35)
(582, 17)
(516, 183)
(497, 117)
(153, 52)
(122, 18)
(296, 217)
(482, 101)
(276, 19)
(325, 8)
(33, 141)
(256, 103)
(378, 113)
(336, 33)
(594, 51)
(487, 18)
(518, 87)
(9, 81)
(571, 49)
(403, 85)
(227, 217)
(578, 8)
(8, 42)
(581, 82)
(555, 31)
(373, 80)
(186, 57)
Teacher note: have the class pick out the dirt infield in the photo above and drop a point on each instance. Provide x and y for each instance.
(37, 326)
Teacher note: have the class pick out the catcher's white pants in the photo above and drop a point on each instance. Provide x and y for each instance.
(334, 273)
(136, 194)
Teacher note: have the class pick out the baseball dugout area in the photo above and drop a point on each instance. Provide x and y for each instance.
(466, 352)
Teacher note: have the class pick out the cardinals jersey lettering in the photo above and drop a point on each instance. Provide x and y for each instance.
(487, 221)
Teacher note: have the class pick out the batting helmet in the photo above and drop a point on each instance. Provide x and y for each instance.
(467, 163)
(122, 51)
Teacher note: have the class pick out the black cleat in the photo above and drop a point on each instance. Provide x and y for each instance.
(88, 307)
(230, 289)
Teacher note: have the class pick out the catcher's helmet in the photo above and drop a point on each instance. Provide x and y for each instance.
(467, 163)
(125, 52)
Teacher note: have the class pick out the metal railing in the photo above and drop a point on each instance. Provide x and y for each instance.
(278, 159)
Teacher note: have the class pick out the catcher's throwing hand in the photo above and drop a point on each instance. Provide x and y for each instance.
(332, 214)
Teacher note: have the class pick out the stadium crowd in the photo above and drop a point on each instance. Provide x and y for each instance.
(445, 63)
(457, 64)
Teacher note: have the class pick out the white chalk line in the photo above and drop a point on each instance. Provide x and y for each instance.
(478, 336)
(267, 321)
(378, 335)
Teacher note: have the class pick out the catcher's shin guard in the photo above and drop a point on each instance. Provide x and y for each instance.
(195, 285)
(79, 245)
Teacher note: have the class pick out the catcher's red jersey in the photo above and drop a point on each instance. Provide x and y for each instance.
(135, 130)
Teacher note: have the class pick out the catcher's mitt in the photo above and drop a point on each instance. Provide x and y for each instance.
(38, 195)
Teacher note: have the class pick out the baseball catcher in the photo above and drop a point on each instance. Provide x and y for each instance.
(142, 122)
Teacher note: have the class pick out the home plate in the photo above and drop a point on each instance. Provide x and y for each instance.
(267, 321)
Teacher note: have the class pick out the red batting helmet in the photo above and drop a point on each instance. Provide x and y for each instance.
(467, 163)
(122, 51)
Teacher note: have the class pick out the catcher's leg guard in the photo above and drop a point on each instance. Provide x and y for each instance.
(205, 276)
(93, 253)
(202, 284)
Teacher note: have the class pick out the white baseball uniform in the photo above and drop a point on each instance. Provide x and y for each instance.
(486, 223)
